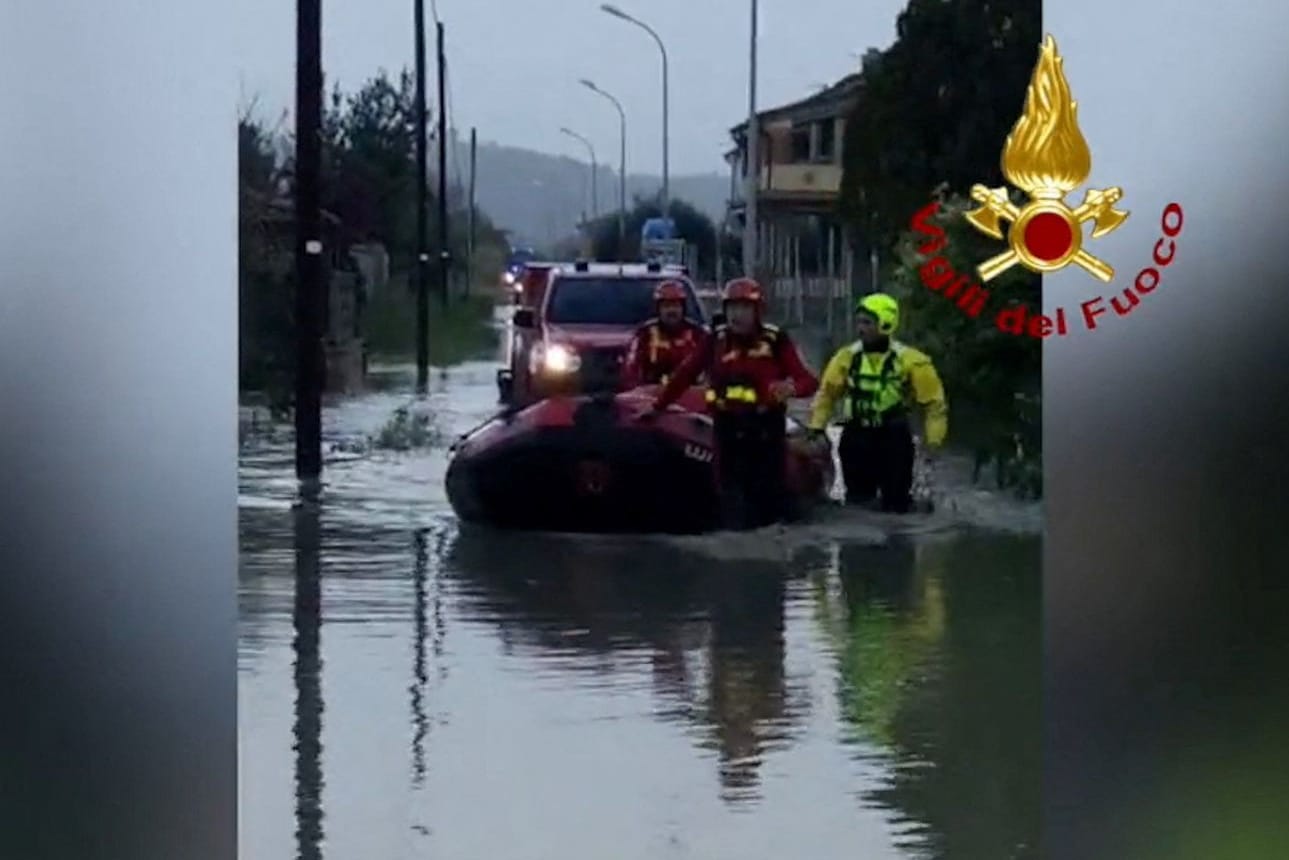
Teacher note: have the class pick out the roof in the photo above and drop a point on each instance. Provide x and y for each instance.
(823, 103)
(629, 270)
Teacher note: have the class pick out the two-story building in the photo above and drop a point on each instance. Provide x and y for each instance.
(802, 252)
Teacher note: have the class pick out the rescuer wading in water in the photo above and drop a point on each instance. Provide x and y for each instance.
(877, 380)
(662, 344)
(753, 369)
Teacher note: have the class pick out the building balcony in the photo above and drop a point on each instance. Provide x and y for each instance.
(806, 183)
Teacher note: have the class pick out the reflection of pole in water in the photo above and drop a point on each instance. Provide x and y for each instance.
(308, 683)
(425, 612)
(420, 722)
(747, 695)
(440, 629)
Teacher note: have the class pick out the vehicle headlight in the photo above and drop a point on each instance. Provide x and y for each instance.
(560, 359)
(508, 277)
(555, 359)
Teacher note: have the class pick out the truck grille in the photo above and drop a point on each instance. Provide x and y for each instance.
(602, 368)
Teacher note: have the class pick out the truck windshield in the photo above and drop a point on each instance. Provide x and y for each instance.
(608, 301)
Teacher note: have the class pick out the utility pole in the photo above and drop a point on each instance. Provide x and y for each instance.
(753, 180)
(310, 294)
(445, 256)
(469, 260)
(422, 211)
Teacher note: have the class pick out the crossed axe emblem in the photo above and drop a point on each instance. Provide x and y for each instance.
(1097, 206)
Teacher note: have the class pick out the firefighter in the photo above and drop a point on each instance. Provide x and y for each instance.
(878, 380)
(753, 369)
(663, 343)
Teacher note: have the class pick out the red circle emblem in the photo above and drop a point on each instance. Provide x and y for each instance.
(1048, 236)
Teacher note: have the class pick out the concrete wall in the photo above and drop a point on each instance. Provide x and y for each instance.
(373, 263)
(345, 348)
(346, 367)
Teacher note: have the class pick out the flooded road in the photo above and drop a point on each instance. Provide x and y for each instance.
(412, 689)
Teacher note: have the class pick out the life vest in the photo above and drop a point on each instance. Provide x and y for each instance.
(741, 373)
(663, 353)
(876, 396)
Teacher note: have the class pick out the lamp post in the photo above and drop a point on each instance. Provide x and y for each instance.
(595, 197)
(622, 166)
(666, 139)
(753, 183)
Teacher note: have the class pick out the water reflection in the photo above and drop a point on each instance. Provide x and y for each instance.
(712, 632)
(892, 626)
(421, 678)
(747, 708)
(307, 731)
(428, 635)
(939, 652)
(618, 698)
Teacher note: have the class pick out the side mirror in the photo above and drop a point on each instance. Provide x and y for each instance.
(525, 318)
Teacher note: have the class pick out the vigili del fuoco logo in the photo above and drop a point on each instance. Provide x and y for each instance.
(1046, 157)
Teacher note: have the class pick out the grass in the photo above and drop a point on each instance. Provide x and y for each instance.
(461, 331)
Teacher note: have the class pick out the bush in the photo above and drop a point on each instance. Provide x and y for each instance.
(369, 185)
(993, 379)
(934, 109)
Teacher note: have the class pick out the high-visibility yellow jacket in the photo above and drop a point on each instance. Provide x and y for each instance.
(873, 387)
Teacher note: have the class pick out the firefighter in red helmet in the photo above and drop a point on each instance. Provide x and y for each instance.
(663, 343)
(753, 369)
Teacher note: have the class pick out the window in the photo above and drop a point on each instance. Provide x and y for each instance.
(827, 140)
(608, 301)
(800, 144)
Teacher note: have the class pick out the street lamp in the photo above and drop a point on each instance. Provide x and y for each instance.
(595, 197)
(753, 158)
(622, 165)
(666, 184)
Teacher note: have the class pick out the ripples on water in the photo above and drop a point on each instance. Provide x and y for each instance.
(413, 689)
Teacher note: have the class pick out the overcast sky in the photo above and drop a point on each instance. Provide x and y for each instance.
(514, 65)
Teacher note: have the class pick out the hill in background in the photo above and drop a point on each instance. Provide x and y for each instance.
(542, 197)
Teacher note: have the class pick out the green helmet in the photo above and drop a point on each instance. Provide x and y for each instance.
(881, 307)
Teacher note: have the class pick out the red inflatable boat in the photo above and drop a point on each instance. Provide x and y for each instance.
(585, 463)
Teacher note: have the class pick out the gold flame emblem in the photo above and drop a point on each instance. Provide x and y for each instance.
(1047, 157)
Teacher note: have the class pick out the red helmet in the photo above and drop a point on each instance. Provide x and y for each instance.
(670, 291)
(743, 290)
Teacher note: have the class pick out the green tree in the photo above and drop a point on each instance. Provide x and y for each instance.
(932, 113)
(264, 298)
(369, 183)
(371, 177)
(993, 378)
(691, 225)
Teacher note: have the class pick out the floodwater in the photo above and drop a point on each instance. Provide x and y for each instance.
(412, 689)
